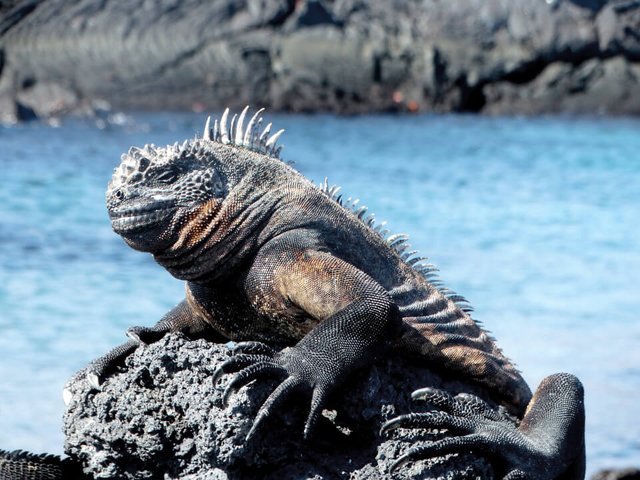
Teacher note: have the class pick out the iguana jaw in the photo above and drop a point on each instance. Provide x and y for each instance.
(140, 216)
(143, 223)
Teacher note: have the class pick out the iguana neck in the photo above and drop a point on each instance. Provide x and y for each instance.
(215, 239)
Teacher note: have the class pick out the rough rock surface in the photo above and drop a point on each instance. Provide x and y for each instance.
(495, 56)
(629, 473)
(161, 416)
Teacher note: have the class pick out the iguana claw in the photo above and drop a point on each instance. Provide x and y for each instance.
(94, 380)
(238, 363)
(252, 372)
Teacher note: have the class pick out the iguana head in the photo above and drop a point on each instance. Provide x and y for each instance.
(153, 190)
(173, 201)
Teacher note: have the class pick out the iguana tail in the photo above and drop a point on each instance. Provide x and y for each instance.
(20, 465)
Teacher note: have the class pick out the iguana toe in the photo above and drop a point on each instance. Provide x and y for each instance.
(318, 401)
(429, 420)
(273, 401)
(462, 404)
(442, 447)
(250, 373)
(145, 335)
(517, 475)
(237, 363)
(257, 348)
(102, 367)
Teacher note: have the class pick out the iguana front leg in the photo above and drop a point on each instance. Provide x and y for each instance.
(547, 444)
(181, 318)
(351, 312)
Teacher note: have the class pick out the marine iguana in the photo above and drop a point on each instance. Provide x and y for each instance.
(270, 258)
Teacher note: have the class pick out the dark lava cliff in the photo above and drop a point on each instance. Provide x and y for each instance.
(350, 56)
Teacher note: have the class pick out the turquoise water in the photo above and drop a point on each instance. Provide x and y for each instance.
(535, 221)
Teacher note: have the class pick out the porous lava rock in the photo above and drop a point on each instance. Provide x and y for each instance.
(161, 416)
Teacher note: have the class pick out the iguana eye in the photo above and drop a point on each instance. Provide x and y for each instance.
(166, 176)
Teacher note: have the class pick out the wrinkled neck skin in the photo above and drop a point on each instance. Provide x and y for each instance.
(219, 236)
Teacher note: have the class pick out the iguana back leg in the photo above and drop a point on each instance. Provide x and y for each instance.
(547, 444)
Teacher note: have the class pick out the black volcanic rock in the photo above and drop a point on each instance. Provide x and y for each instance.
(161, 416)
(629, 473)
(338, 55)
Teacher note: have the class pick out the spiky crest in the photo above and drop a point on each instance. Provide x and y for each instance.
(397, 242)
(248, 137)
(21, 455)
(137, 160)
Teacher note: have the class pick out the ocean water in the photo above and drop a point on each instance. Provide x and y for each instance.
(535, 221)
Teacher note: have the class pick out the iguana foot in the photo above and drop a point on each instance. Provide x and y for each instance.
(178, 319)
(254, 360)
(103, 366)
(547, 443)
(145, 335)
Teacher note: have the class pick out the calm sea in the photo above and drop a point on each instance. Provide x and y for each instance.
(535, 221)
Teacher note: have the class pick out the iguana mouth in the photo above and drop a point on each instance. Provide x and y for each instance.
(140, 217)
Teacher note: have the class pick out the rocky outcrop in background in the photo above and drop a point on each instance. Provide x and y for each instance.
(493, 56)
(162, 417)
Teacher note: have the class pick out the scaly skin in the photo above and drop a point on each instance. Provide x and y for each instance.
(547, 443)
(19, 465)
(269, 257)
